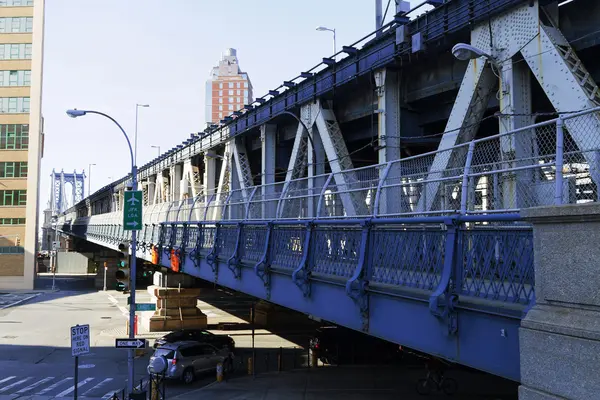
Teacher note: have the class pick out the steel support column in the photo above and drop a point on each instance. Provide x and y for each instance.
(268, 137)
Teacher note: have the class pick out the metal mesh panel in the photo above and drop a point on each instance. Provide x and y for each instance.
(411, 258)
(335, 250)
(498, 264)
(513, 171)
(252, 245)
(287, 247)
(226, 240)
(350, 193)
(581, 158)
(264, 202)
(235, 207)
(193, 236)
(207, 237)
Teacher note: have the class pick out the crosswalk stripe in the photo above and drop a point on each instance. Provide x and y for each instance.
(72, 388)
(7, 379)
(54, 386)
(35, 384)
(5, 388)
(98, 386)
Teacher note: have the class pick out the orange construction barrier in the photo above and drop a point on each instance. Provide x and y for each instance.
(154, 254)
(175, 260)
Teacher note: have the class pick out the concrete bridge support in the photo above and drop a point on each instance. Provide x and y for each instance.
(176, 304)
(560, 336)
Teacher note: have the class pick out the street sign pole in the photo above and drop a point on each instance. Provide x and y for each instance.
(130, 360)
(76, 377)
(80, 344)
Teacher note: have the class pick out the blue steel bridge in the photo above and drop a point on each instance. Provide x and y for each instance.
(427, 251)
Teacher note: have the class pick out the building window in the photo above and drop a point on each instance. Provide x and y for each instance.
(16, 24)
(230, 85)
(12, 221)
(14, 105)
(13, 197)
(231, 99)
(245, 84)
(220, 93)
(220, 100)
(220, 115)
(19, 51)
(11, 169)
(238, 85)
(231, 107)
(221, 85)
(239, 99)
(220, 108)
(231, 93)
(14, 137)
(15, 3)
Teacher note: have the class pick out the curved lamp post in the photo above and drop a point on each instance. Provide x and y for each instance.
(80, 113)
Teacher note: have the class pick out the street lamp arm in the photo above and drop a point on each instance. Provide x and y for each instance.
(122, 130)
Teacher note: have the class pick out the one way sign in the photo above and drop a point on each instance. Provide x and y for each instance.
(130, 343)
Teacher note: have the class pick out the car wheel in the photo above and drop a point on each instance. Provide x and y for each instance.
(188, 376)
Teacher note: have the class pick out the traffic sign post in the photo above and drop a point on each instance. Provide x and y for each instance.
(80, 344)
(132, 211)
(130, 343)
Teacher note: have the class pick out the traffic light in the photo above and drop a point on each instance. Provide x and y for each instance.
(122, 273)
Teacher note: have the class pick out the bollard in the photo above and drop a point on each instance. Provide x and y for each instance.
(250, 366)
(220, 372)
(155, 390)
(280, 360)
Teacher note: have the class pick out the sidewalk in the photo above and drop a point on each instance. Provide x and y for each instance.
(348, 383)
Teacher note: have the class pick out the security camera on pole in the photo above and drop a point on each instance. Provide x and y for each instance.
(132, 221)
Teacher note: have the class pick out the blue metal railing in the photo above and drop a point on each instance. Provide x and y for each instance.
(485, 258)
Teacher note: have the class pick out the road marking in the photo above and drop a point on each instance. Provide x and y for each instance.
(7, 379)
(20, 301)
(5, 388)
(35, 384)
(123, 310)
(72, 388)
(54, 386)
(98, 386)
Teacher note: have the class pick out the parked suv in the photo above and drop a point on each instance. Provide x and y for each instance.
(187, 359)
(197, 335)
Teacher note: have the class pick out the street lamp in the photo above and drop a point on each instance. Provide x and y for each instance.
(156, 147)
(465, 52)
(79, 113)
(323, 28)
(90, 179)
(137, 107)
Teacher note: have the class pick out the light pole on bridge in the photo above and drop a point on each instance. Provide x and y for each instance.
(79, 113)
(323, 28)
(90, 179)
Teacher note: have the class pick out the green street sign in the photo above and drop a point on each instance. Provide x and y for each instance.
(145, 307)
(132, 212)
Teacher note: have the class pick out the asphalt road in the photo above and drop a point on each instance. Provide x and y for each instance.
(35, 353)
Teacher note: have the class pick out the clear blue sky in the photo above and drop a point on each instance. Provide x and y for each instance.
(109, 55)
